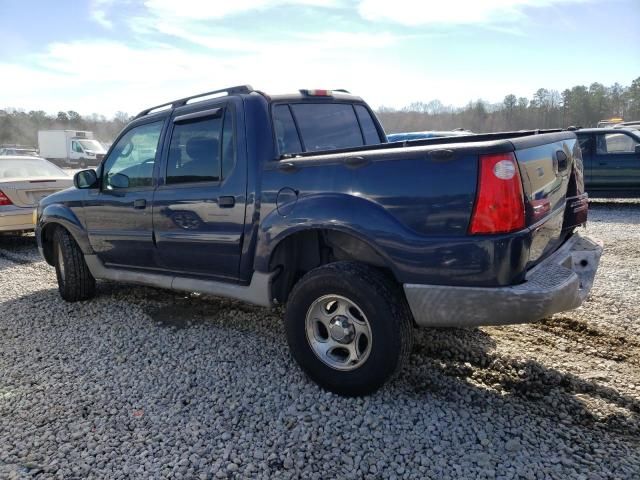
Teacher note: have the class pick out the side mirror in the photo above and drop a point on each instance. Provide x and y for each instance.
(118, 180)
(85, 179)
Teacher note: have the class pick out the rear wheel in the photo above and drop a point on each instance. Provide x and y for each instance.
(75, 281)
(348, 327)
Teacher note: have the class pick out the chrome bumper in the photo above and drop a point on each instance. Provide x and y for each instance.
(14, 218)
(560, 282)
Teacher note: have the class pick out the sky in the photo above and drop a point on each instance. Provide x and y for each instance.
(104, 56)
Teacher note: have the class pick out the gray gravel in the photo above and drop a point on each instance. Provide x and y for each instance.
(144, 383)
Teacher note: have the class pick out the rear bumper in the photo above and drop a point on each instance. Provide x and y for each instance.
(560, 282)
(13, 219)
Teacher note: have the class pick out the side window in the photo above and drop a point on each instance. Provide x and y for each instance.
(228, 144)
(615, 143)
(194, 152)
(76, 147)
(286, 133)
(131, 161)
(371, 136)
(327, 126)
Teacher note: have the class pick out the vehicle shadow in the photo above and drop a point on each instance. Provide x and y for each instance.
(468, 358)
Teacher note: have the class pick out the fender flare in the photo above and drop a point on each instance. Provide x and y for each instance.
(57, 214)
(349, 214)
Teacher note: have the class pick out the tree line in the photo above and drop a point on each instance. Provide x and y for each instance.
(578, 106)
(21, 127)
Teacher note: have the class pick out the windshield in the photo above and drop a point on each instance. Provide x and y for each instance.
(92, 145)
(29, 168)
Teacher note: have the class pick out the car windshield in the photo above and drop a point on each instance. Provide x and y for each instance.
(92, 145)
(29, 168)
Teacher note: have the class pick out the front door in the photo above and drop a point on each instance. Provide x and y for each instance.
(199, 210)
(118, 215)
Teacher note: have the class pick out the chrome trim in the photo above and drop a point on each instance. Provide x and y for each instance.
(257, 292)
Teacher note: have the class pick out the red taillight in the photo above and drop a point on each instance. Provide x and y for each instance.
(4, 200)
(499, 204)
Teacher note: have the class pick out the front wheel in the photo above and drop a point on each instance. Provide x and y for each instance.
(75, 281)
(349, 328)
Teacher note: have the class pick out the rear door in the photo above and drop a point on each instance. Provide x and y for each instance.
(616, 164)
(199, 208)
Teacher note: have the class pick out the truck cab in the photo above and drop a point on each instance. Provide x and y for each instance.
(611, 158)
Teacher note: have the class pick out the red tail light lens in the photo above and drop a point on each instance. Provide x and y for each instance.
(4, 200)
(499, 204)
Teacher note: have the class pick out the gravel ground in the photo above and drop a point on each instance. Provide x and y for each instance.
(146, 383)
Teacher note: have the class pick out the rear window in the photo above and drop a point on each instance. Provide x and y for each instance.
(28, 168)
(369, 131)
(313, 127)
(286, 133)
(194, 153)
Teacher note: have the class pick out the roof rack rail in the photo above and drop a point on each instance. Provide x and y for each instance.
(183, 101)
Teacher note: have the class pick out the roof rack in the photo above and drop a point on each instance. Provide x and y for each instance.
(239, 89)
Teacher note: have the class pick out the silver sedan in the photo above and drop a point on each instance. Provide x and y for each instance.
(23, 182)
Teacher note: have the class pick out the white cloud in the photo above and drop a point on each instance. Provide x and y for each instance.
(451, 12)
(207, 9)
(98, 10)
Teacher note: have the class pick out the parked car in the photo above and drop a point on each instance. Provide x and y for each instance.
(298, 200)
(611, 158)
(23, 182)
(18, 151)
(72, 148)
(408, 136)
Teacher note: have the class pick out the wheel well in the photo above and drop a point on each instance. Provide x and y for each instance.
(303, 251)
(47, 241)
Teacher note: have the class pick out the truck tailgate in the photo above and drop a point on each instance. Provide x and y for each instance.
(551, 172)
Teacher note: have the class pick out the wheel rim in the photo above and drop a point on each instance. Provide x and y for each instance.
(338, 332)
(61, 262)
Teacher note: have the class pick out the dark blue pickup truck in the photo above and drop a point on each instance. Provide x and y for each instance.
(299, 200)
(611, 159)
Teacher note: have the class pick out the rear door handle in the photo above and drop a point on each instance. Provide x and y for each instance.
(226, 201)
(140, 203)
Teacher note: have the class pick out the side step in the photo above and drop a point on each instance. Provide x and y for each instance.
(257, 292)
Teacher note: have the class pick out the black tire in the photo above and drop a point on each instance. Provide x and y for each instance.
(383, 304)
(75, 281)
(83, 164)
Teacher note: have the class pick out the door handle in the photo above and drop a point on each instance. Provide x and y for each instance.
(287, 167)
(226, 201)
(140, 203)
(602, 163)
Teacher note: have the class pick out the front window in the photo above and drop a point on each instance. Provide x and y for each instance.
(615, 143)
(91, 145)
(133, 157)
(76, 147)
